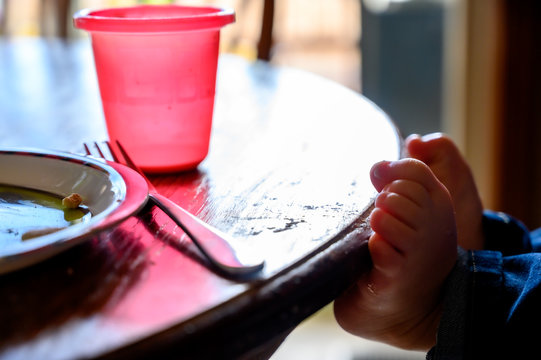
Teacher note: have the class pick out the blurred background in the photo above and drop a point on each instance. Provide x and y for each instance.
(467, 68)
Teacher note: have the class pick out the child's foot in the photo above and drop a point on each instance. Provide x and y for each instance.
(444, 159)
(413, 250)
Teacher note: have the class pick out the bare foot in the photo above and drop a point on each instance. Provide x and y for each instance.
(444, 159)
(413, 249)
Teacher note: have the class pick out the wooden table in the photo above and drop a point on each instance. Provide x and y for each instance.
(287, 176)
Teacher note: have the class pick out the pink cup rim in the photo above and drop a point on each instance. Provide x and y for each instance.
(153, 18)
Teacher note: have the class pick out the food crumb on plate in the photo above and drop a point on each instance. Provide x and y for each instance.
(72, 201)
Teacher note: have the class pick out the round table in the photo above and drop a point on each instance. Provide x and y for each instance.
(286, 176)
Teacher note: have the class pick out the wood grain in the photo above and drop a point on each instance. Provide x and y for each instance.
(287, 176)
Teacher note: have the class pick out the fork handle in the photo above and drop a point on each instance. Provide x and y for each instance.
(210, 241)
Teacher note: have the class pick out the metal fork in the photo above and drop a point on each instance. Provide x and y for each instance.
(213, 244)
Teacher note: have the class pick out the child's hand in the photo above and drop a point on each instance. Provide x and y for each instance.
(413, 249)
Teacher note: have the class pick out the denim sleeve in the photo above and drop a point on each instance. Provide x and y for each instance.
(506, 234)
(451, 332)
(492, 298)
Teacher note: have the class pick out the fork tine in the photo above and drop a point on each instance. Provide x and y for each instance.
(97, 146)
(127, 158)
(87, 149)
(112, 152)
(129, 162)
(95, 150)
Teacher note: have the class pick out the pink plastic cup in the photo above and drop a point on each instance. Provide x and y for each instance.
(156, 68)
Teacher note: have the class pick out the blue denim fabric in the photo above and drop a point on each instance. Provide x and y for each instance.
(492, 300)
(452, 329)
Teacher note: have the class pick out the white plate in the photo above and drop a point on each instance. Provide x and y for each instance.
(112, 193)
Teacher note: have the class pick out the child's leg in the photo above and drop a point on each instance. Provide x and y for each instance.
(413, 249)
(444, 159)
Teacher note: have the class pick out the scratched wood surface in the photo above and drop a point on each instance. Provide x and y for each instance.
(287, 176)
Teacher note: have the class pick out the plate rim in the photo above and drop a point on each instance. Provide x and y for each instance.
(133, 198)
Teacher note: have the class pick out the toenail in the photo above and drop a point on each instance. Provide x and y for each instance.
(378, 169)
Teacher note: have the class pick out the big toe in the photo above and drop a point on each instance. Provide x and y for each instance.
(431, 148)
